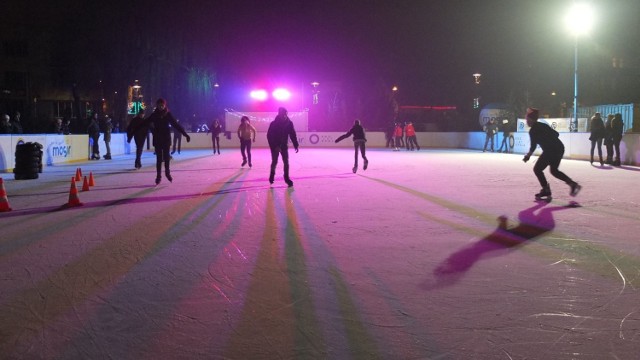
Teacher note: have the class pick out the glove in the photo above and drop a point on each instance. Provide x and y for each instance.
(188, 138)
(526, 158)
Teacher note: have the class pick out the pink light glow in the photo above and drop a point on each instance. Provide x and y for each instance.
(260, 95)
(281, 94)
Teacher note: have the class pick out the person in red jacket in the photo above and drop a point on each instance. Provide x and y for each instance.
(412, 140)
(398, 136)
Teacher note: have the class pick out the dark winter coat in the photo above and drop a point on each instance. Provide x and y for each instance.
(543, 135)
(617, 128)
(93, 129)
(597, 129)
(280, 131)
(136, 130)
(162, 122)
(357, 131)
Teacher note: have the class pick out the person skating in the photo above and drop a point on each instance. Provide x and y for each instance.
(161, 121)
(359, 141)
(108, 128)
(490, 130)
(215, 130)
(552, 152)
(280, 131)
(136, 131)
(246, 134)
(412, 140)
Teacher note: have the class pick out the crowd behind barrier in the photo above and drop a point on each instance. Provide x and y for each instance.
(65, 149)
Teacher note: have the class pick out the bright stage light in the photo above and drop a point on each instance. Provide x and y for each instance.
(281, 94)
(260, 95)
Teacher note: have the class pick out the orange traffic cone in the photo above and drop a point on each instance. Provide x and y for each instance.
(74, 200)
(85, 185)
(78, 175)
(80, 172)
(4, 202)
(91, 182)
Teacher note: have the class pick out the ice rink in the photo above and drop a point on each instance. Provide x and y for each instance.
(436, 254)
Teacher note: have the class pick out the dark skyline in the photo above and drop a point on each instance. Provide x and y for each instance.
(429, 49)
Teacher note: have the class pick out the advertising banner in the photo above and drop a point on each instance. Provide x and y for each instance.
(560, 125)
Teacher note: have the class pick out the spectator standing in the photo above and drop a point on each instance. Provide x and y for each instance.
(16, 125)
(5, 124)
(608, 139)
(94, 134)
(280, 131)
(597, 135)
(246, 134)
(617, 129)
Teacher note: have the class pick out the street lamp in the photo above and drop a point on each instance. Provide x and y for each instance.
(579, 21)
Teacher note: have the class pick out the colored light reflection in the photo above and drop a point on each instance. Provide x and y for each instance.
(260, 95)
(281, 94)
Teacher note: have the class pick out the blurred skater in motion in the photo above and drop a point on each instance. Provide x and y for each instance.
(552, 152)
(161, 121)
(359, 141)
(138, 132)
(280, 131)
(246, 134)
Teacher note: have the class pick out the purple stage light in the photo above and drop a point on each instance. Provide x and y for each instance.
(260, 95)
(281, 94)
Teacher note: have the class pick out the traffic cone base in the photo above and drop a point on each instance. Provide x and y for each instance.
(74, 200)
(85, 184)
(4, 202)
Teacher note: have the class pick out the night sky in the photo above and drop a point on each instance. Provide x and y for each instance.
(429, 49)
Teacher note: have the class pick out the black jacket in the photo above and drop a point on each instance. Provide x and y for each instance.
(280, 131)
(161, 122)
(543, 135)
(357, 131)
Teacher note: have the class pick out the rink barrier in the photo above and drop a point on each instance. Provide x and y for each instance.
(65, 149)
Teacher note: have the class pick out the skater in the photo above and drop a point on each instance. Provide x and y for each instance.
(177, 139)
(215, 130)
(617, 129)
(359, 141)
(506, 133)
(94, 134)
(246, 134)
(136, 131)
(597, 135)
(552, 152)
(108, 128)
(280, 131)
(411, 137)
(162, 120)
(398, 134)
(490, 130)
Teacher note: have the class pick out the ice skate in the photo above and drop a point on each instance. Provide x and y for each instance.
(366, 164)
(158, 179)
(289, 182)
(244, 162)
(544, 194)
(168, 175)
(355, 168)
(575, 189)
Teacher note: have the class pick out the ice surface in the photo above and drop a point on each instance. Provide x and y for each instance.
(437, 254)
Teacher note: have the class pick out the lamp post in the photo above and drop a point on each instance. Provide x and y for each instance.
(579, 21)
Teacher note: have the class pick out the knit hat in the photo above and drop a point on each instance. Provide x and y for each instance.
(532, 113)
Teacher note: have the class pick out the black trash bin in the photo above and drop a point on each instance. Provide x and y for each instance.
(28, 161)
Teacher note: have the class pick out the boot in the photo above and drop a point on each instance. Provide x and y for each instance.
(545, 192)
(575, 188)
